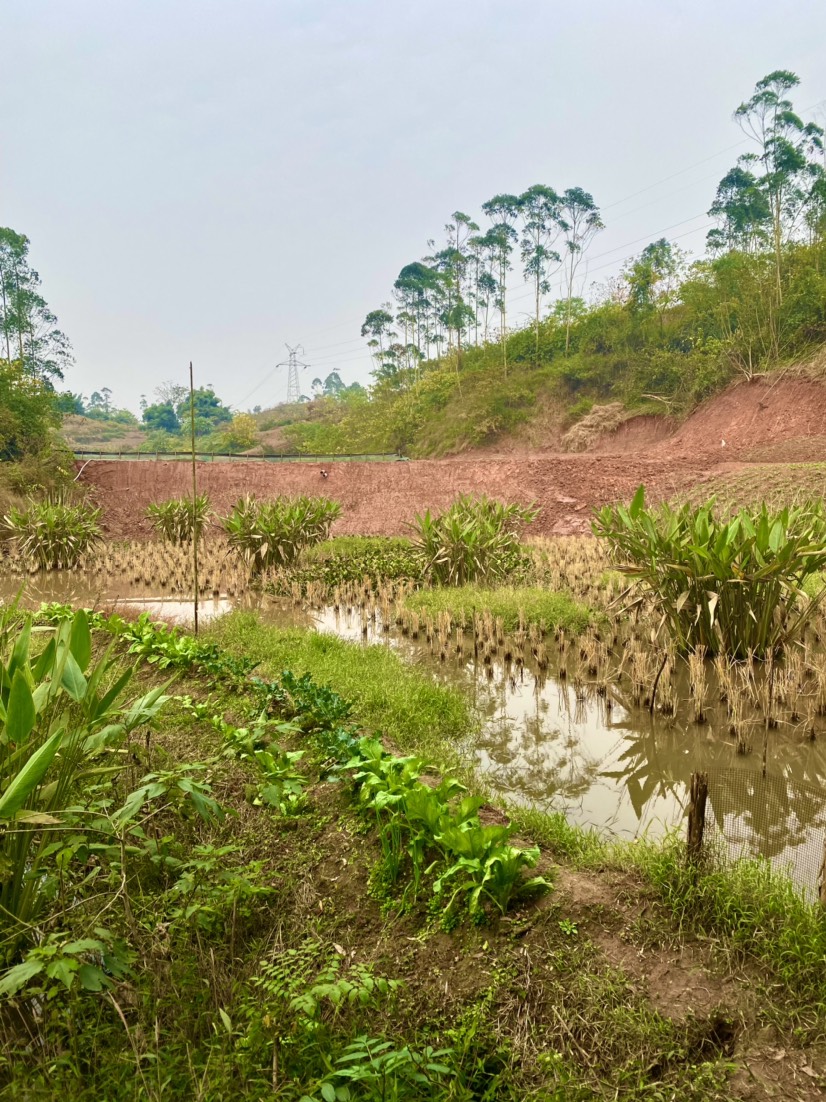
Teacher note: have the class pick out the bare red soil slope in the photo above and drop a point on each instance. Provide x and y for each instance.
(750, 422)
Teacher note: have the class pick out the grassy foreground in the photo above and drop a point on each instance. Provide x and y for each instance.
(408, 708)
(308, 973)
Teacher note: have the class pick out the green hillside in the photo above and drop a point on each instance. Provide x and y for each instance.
(451, 373)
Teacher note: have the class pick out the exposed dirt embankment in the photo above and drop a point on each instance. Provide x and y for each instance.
(779, 421)
(381, 498)
(763, 421)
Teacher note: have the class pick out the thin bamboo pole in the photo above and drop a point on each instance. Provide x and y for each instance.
(194, 491)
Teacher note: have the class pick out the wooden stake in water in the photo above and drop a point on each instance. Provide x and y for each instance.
(194, 491)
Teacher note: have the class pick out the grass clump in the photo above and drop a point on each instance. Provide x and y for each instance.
(273, 533)
(475, 540)
(180, 519)
(356, 558)
(749, 908)
(515, 605)
(387, 695)
(734, 586)
(54, 534)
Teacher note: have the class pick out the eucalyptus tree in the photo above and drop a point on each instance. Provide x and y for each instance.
(30, 333)
(378, 325)
(741, 209)
(580, 221)
(456, 258)
(503, 211)
(476, 260)
(787, 149)
(654, 279)
(541, 228)
(416, 289)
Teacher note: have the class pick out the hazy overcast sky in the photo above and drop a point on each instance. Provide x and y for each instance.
(207, 180)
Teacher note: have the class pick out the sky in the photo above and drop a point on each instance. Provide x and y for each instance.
(209, 180)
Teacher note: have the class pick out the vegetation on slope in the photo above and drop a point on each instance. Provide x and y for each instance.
(664, 335)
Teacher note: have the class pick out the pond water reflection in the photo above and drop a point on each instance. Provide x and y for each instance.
(548, 743)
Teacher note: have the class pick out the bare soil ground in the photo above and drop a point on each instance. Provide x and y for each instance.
(751, 423)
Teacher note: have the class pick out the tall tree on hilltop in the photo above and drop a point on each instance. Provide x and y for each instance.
(29, 328)
(415, 289)
(378, 326)
(786, 152)
(541, 228)
(580, 221)
(503, 211)
(742, 211)
(456, 259)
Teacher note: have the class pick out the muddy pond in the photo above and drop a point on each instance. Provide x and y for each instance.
(554, 745)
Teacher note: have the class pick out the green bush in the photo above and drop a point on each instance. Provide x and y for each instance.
(354, 559)
(274, 533)
(61, 718)
(54, 534)
(474, 540)
(732, 586)
(179, 519)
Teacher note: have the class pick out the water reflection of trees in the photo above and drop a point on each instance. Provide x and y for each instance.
(543, 740)
(766, 815)
(532, 742)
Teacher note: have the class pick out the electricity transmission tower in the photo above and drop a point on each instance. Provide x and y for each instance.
(293, 366)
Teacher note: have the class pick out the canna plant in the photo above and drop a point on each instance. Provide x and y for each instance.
(54, 534)
(274, 533)
(735, 586)
(474, 540)
(61, 722)
(179, 520)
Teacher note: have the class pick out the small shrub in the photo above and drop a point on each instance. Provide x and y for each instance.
(274, 533)
(179, 519)
(475, 540)
(580, 408)
(53, 534)
(733, 586)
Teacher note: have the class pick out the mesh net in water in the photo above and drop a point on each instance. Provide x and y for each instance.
(776, 818)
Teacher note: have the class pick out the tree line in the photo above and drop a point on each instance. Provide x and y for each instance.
(452, 295)
(767, 207)
(29, 330)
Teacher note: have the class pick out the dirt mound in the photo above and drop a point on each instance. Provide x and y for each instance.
(751, 417)
(635, 435)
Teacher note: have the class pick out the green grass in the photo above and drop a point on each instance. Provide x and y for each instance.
(750, 910)
(540, 606)
(355, 545)
(579, 846)
(388, 696)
